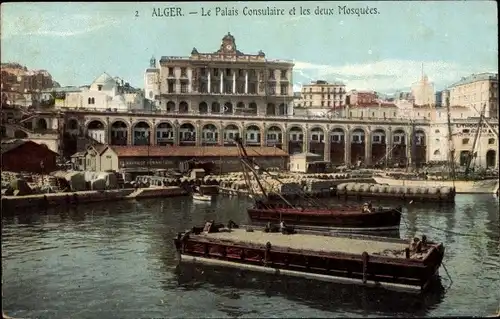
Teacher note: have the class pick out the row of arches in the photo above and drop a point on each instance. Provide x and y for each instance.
(381, 146)
(227, 108)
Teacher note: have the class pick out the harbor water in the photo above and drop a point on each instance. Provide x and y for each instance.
(117, 260)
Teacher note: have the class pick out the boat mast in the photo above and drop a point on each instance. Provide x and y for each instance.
(481, 114)
(471, 154)
(451, 147)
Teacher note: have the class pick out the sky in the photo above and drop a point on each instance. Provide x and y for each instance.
(76, 42)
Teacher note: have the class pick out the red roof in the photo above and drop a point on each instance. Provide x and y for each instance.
(193, 151)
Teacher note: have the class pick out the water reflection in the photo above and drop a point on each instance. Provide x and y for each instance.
(122, 254)
(324, 296)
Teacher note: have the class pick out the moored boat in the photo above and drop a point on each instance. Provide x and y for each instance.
(366, 260)
(316, 215)
(202, 197)
(347, 218)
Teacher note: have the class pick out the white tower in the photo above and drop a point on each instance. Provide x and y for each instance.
(152, 81)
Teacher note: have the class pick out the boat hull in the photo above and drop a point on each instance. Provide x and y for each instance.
(299, 274)
(487, 186)
(337, 263)
(389, 219)
(203, 198)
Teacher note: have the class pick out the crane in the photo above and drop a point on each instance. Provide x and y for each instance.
(476, 136)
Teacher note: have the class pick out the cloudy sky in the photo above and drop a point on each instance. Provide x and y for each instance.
(76, 42)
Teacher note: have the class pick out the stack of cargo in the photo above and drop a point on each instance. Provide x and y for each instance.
(318, 186)
(404, 192)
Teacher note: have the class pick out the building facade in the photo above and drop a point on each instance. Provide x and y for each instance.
(225, 82)
(361, 98)
(423, 92)
(322, 94)
(475, 92)
(105, 93)
(462, 142)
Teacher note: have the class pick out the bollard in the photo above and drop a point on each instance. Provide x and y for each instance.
(267, 253)
(407, 253)
(365, 258)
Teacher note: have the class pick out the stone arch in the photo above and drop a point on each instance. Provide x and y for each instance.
(228, 108)
(20, 134)
(209, 133)
(170, 106)
(41, 124)
(141, 133)
(399, 147)
(278, 125)
(378, 142)
(230, 132)
(247, 125)
(95, 125)
(165, 133)
(419, 146)
(96, 129)
(203, 107)
(337, 137)
(183, 107)
(187, 133)
(316, 141)
(216, 107)
(358, 140)
(274, 135)
(295, 134)
(271, 109)
(119, 132)
(240, 105)
(253, 134)
(137, 122)
(491, 159)
(295, 127)
(73, 124)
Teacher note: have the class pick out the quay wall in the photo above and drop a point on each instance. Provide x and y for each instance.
(71, 199)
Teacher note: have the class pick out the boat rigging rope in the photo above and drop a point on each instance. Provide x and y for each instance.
(449, 276)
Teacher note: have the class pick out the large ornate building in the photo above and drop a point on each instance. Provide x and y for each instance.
(210, 98)
(227, 81)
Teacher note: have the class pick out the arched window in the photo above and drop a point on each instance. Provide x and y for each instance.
(89, 101)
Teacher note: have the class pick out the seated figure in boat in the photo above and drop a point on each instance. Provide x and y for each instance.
(367, 207)
(282, 226)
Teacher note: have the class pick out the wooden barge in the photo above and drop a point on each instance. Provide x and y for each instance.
(366, 260)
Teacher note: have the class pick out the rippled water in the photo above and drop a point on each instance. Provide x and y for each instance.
(117, 261)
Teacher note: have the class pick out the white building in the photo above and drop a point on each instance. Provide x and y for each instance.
(105, 93)
(152, 81)
(423, 92)
(475, 92)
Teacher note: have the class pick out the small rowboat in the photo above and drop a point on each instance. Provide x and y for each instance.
(202, 197)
